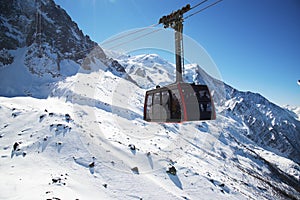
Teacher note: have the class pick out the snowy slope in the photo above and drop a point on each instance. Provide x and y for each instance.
(71, 124)
(148, 70)
(270, 126)
(41, 45)
(107, 151)
(17, 80)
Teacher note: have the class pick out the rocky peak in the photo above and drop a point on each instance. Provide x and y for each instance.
(46, 30)
(49, 36)
(270, 126)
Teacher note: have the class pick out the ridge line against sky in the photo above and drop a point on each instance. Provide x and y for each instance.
(254, 43)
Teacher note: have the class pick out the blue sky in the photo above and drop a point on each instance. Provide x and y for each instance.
(254, 43)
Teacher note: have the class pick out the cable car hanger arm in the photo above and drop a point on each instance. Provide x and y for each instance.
(175, 21)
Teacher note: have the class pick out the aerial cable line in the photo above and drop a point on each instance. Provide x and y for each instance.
(143, 29)
(216, 2)
(120, 37)
(128, 34)
(195, 6)
(136, 38)
(154, 25)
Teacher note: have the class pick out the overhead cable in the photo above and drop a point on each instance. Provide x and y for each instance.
(203, 9)
(128, 34)
(136, 38)
(195, 6)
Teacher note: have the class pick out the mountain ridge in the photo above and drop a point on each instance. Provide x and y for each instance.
(269, 125)
(43, 38)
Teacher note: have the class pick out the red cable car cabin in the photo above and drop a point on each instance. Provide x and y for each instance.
(179, 102)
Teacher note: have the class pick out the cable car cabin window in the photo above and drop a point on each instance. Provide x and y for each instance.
(176, 106)
(191, 104)
(156, 107)
(205, 101)
(165, 103)
(149, 106)
(205, 105)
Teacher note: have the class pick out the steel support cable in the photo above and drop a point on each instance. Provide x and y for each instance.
(143, 29)
(136, 38)
(203, 9)
(128, 34)
(198, 4)
(118, 38)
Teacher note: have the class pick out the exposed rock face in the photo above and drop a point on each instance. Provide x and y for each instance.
(50, 36)
(270, 126)
(46, 29)
(38, 38)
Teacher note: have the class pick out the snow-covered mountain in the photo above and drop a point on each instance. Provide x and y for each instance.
(270, 126)
(88, 140)
(79, 133)
(39, 39)
(294, 110)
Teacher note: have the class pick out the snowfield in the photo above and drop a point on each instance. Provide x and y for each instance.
(88, 140)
